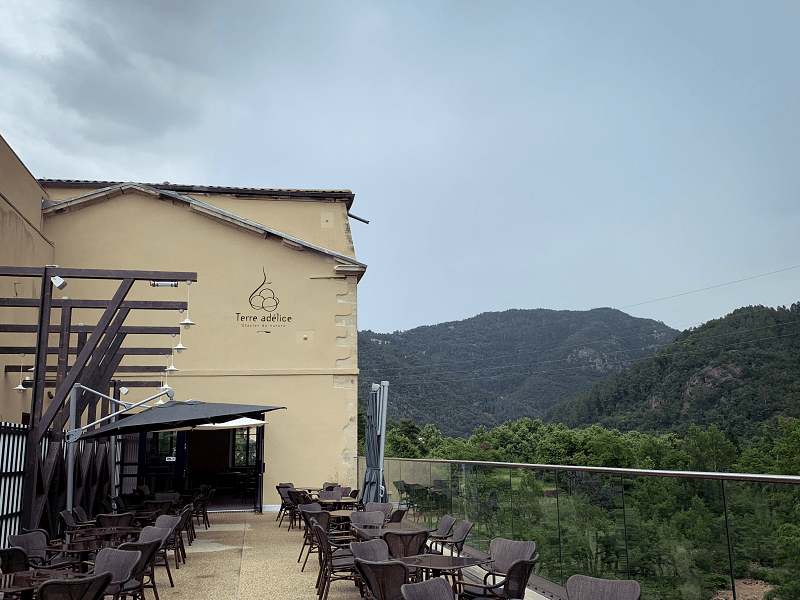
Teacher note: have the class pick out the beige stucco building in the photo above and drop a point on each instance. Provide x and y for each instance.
(275, 300)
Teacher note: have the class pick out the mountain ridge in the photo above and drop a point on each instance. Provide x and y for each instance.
(499, 366)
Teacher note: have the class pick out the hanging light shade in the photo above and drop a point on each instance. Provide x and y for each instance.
(20, 388)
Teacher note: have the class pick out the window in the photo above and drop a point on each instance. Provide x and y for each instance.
(244, 447)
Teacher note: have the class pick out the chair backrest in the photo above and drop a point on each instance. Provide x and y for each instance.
(295, 497)
(161, 506)
(374, 517)
(397, 515)
(87, 588)
(405, 543)
(374, 550)
(30, 541)
(384, 579)
(148, 552)
(385, 507)
(321, 517)
(504, 552)
(437, 588)
(168, 521)
(151, 533)
(67, 519)
(323, 541)
(80, 514)
(174, 496)
(118, 520)
(120, 563)
(314, 506)
(346, 491)
(583, 587)
(145, 489)
(517, 577)
(287, 485)
(329, 485)
(460, 533)
(117, 503)
(354, 493)
(444, 526)
(331, 495)
(13, 560)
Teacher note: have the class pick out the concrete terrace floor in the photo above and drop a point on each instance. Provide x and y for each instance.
(246, 556)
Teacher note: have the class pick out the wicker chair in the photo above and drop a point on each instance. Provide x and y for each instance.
(143, 572)
(118, 520)
(372, 517)
(382, 580)
(308, 534)
(120, 563)
(201, 506)
(158, 533)
(397, 515)
(87, 588)
(456, 541)
(332, 568)
(405, 543)
(504, 553)
(13, 560)
(81, 517)
(582, 587)
(373, 550)
(33, 542)
(512, 587)
(385, 507)
(175, 539)
(437, 588)
(162, 506)
(442, 530)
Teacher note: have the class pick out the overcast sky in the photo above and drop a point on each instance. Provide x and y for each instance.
(564, 155)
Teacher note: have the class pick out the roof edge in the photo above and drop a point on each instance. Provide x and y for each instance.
(347, 195)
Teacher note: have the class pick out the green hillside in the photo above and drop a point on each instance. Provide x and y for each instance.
(736, 373)
(502, 366)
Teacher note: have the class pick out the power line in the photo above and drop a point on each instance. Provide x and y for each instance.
(710, 287)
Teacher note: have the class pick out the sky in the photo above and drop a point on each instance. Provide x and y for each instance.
(637, 155)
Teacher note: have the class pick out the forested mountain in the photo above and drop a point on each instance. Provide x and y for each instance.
(503, 365)
(735, 372)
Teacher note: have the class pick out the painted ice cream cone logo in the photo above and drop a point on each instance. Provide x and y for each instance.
(263, 298)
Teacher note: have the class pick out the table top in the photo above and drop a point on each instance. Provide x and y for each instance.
(345, 500)
(442, 561)
(30, 580)
(373, 531)
(101, 531)
(341, 514)
(308, 488)
(77, 546)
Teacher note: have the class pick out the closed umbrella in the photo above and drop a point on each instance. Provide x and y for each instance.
(374, 488)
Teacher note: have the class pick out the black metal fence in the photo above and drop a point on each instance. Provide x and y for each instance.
(13, 437)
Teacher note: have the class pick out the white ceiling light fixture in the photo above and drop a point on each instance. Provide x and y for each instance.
(20, 388)
(187, 322)
(58, 282)
(179, 347)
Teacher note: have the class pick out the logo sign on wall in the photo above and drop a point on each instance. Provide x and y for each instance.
(264, 316)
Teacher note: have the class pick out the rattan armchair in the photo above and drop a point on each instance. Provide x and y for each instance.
(582, 587)
(87, 588)
(382, 580)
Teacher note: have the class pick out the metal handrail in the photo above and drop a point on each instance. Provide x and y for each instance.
(749, 477)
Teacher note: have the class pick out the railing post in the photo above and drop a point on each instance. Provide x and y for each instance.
(728, 537)
(560, 543)
(625, 525)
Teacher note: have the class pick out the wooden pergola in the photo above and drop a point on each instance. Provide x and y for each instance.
(97, 353)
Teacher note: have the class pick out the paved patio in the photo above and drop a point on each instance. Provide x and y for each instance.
(245, 556)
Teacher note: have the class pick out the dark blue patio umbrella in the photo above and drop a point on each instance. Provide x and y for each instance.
(374, 488)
